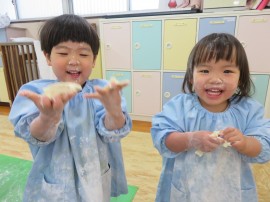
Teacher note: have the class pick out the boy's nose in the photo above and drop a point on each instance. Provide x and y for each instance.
(74, 61)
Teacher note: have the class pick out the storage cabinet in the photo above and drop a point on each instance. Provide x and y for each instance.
(153, 51)
(210, 25)
(261, 84)
(146, 93)
(146, 41)
(253, 32)
(3, 87)
(171, 85)
(179, 39)
(117, 45)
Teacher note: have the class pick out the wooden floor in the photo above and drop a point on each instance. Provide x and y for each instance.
(142, 161)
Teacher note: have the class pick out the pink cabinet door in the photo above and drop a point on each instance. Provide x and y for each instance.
(254, 33)
(116, 45)
(146, 93)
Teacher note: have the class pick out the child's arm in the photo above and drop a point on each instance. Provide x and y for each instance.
(200, 140)
(110, 97)
(246, 145)
(44, 126)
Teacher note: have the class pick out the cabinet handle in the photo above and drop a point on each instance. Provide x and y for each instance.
(146, 75)
(177, 77)
(168, 45)
(217, 22)
(258, 20)
(137, 45)
(146, 25)
(116, 27)
(167, 94)
(180, 24)
(118, 75)
(138, 93)
(108, 46)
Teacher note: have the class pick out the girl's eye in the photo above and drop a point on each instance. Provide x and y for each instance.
(204, 71)
(227, 71)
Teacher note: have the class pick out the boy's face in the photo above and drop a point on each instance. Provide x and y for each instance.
(71, 61)
(215, 83)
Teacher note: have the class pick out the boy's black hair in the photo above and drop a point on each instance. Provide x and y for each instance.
(220, 46)
(68, 27)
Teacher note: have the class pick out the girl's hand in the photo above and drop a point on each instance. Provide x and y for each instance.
(237, 139)
(202, 140)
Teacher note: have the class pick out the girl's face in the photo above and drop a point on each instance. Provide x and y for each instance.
(71, 61)
(215, 82)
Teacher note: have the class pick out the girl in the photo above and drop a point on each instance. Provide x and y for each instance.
(216, 100)
(75, 141)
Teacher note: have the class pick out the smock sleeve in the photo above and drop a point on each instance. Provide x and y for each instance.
(258, 127)
(24, 111)
(109, 135)
(171, 119)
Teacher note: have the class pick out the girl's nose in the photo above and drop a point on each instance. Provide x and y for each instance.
(216, 80)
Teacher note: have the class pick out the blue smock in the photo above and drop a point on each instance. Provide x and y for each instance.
(222, 175)
(76, 164)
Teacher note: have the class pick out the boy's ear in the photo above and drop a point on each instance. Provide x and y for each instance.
(94, 61)
(47, 56)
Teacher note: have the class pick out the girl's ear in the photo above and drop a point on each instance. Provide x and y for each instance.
(47, 56)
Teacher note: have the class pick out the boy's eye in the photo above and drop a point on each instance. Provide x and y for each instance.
(83, 55)
(61, 53)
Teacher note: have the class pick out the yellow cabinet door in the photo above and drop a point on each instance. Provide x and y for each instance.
(3, 87)
(179, 39)
(97, 70)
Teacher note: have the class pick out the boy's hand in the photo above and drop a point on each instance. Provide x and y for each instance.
(50, 108)
(109, 96)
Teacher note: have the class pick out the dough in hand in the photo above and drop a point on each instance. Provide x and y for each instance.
(215, 134)
(61, 88)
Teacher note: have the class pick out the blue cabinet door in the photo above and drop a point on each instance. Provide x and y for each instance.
(120, 76)
(216, 25)
(261, 85)
(146, 45)
(171, 85)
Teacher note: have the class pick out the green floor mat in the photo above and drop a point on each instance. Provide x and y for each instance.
(13, 176)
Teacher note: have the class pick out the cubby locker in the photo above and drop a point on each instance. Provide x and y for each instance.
(3, 91)
(147, 43)
(261, 85)
(127, 91)
(117, 45)
(146, 93)
(179, 39)
(254, 33)
(171, 85)
(210, 25)
(97, 70)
